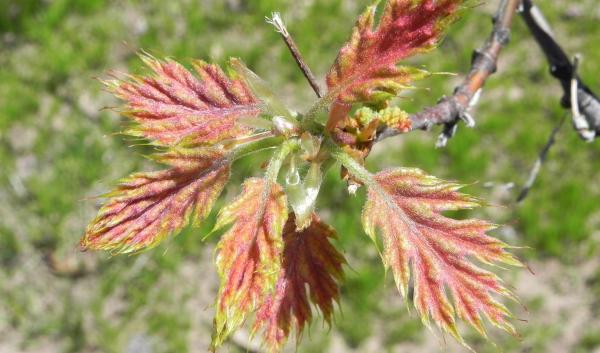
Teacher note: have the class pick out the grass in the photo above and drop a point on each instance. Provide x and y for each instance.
(58, 149)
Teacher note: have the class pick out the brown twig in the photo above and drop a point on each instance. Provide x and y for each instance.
(450, 110)
(277, 22)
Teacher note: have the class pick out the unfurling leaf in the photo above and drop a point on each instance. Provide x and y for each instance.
(249, 253)
(173, 105)
(394, 118)
(310, 262)
(147, 207)
(406, 206)
(302, 194)
(366, 67)
(362, 125)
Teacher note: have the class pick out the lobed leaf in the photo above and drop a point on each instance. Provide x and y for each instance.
(172, 105)
(405, 206)
(147, 207)
(249, 253)
(366, 67)
(312, 268)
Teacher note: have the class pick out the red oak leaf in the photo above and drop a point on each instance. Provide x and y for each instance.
(366, 67)
(147, 207)
(406, 206)
(249, 253)
(310, 262)
(173, 105)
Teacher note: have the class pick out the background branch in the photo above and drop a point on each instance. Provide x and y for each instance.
(537, 166)
(588, 125)
(450, 110)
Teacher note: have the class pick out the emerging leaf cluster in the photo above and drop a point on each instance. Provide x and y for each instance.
(275, 260)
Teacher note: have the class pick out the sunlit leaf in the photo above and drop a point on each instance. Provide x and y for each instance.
(366, 69)
(312, 268)
(172, 105)
(405, 207)
(147, 207)
(249, 253)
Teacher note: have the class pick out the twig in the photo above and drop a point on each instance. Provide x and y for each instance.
(537, 166)
(450, 110)
(587, 123)
(277, 22)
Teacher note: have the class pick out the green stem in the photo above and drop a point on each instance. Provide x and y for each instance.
(320, 106)
(358, 171)
(278, 157)
(255, 146)
(314, 127)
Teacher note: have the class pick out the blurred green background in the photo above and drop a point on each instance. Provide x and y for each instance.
(58, 148)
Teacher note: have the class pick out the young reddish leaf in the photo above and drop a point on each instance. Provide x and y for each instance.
(310, 262)
(366, 67)
(249, 253)
(173, 105)
(406, 206)
(147, 207)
